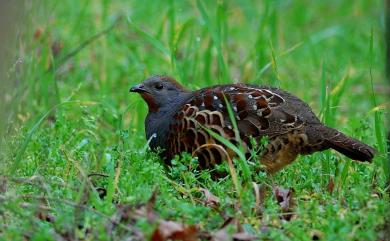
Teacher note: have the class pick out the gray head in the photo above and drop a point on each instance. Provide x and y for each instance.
(159, 92)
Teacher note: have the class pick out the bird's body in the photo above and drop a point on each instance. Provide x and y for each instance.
(178, 121)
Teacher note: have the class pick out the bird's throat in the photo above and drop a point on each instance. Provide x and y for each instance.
(152, 105)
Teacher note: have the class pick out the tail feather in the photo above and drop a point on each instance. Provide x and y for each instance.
(348, 146)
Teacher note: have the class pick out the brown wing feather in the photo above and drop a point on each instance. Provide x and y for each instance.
(187, 133)
(258, 112)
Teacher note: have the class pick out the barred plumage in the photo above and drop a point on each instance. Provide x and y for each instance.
(179, 119)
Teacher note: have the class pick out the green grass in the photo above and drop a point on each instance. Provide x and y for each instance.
(74, 115)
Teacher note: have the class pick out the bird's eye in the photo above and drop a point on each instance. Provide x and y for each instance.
(159, 86)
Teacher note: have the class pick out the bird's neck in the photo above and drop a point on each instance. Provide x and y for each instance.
(157, 123)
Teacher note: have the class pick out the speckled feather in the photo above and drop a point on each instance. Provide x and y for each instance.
(289, 123)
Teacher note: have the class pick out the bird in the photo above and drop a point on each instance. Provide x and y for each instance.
(180, 120)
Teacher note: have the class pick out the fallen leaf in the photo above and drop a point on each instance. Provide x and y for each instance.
(211, 200)
(259, 192)
(38, 32)
(169, 230)
(45, 216)
(330, 185)
(166, 229)
(56, 47)
(284, 197)
(221, 235)
(151, 216)
(225, 233)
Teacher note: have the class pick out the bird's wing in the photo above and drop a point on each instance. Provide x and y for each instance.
(261, 111)
(188, 133)
(258, 112)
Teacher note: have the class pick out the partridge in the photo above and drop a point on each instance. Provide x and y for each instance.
(178, 121)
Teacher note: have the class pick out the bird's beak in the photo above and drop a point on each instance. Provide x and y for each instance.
(140, 88)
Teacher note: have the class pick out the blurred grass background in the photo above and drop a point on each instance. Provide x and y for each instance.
(68, 72)
(9, 22)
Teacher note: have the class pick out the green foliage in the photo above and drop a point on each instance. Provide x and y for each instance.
(77, 129)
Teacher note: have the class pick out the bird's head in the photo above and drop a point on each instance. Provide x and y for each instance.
(159, 91)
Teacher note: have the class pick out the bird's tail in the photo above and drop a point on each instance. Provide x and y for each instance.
(348, 146)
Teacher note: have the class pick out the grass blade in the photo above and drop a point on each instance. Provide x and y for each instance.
(378, 123)
(152, 40)
(215, 35)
